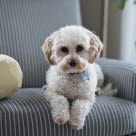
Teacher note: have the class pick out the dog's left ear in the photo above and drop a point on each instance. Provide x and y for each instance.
(96, 46)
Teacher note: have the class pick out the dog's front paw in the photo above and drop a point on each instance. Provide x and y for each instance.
(76, 124)
(61, 119)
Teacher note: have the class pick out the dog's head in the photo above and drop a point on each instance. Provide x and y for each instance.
(72, 48)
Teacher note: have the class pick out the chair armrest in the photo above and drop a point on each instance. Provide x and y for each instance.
(123, 76)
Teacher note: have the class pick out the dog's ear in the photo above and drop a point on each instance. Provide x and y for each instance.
(47, 49)
(96, 46)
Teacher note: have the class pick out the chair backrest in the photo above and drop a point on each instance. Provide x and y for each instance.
(24, 25)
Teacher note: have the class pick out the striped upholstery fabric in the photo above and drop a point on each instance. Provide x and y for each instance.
(123, 76)
(27, 113)
(134, 134)
(24, 25)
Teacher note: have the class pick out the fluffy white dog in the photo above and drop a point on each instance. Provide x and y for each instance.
(72, 76)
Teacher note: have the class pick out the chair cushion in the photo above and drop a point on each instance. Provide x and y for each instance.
(28, 113)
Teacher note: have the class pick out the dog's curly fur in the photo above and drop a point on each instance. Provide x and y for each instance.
(65, 82)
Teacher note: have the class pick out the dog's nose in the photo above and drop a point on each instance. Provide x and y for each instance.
(72, 63)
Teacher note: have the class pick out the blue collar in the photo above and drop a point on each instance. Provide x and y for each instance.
(83, 75)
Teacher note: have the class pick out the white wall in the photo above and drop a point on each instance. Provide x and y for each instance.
(122, 31)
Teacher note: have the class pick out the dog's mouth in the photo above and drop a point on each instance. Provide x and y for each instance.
(79, 73)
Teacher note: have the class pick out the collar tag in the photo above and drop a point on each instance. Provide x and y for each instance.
(85, 77)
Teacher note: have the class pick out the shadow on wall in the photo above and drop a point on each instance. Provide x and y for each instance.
(92, 15)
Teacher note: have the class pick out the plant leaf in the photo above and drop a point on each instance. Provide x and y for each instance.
(134, 1)
(122, 4)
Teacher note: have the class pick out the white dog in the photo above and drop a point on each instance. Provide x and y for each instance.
(72, 51)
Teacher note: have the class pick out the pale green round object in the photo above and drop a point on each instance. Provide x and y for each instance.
(10, 76)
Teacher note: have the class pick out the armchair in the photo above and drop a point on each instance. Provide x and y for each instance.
(24, 24)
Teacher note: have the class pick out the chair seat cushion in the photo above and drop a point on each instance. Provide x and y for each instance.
(27, 113)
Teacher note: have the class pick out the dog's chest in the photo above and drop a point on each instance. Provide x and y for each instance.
(75, 86)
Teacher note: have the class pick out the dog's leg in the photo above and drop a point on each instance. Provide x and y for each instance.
(60, 107)
(78, 112)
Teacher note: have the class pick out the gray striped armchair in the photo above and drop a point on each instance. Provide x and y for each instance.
(24, 24)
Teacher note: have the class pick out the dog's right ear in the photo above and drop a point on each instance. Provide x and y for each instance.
(47, 50)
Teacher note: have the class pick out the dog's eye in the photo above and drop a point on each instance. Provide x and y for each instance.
(64, 49)
(79, 48)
